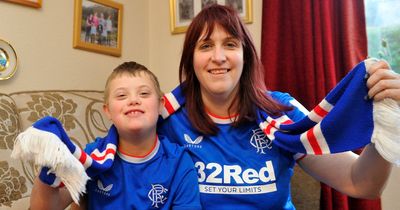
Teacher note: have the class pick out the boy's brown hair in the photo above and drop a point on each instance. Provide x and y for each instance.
(133, 69)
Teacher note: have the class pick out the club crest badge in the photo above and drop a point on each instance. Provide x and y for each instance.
(157, 195)
(260, 141)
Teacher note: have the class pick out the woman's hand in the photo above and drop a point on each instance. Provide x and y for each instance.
(382, 82)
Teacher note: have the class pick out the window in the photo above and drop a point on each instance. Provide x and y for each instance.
(383, 30)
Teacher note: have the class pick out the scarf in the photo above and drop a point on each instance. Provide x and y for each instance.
(63, 163)
(345, 120)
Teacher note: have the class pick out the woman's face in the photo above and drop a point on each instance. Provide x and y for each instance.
(218, 64)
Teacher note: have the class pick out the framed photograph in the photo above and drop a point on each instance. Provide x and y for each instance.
(183, 11)
(31, 3)
(98, 26)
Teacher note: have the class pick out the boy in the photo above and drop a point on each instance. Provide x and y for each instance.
(148, 171)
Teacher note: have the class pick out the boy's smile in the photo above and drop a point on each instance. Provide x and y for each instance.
(133, 104)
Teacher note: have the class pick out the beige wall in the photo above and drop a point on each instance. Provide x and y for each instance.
(43, 41)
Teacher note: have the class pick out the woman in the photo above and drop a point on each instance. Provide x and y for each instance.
(238, 167)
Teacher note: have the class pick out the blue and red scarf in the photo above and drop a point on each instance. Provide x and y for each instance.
(345, 120)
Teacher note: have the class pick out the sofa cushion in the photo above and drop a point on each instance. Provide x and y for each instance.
(13, 183)
(9, 122)
(81, 114)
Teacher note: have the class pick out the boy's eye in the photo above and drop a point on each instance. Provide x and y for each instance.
(121, 95)
(144, 93)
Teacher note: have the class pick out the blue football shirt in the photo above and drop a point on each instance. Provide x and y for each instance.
(164, 179)
(239, 168)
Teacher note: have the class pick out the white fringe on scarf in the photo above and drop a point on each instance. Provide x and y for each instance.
(386, 135)
(46, 149)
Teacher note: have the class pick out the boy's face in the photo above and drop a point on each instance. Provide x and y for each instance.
(133, 104)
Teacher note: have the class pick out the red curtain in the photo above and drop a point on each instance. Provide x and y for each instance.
(307, 46)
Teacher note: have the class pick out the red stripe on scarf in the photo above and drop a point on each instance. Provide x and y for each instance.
(108, 151)
(313, 142)
(83, 157)
(168, 106)
(269, 127)
(288, 122)
(320, 111)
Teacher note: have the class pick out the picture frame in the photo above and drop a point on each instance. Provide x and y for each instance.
(183, 11)
(98, 26)
(30, 3)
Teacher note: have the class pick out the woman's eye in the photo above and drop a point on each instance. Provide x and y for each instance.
(204, 46)
(231, 44)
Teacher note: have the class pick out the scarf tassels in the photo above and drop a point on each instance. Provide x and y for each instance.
(47, 145)
(45, 149)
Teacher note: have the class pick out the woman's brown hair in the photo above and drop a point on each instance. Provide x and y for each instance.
(252, 89)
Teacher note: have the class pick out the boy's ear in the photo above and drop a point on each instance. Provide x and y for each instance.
(106, 111)
(162, 103)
